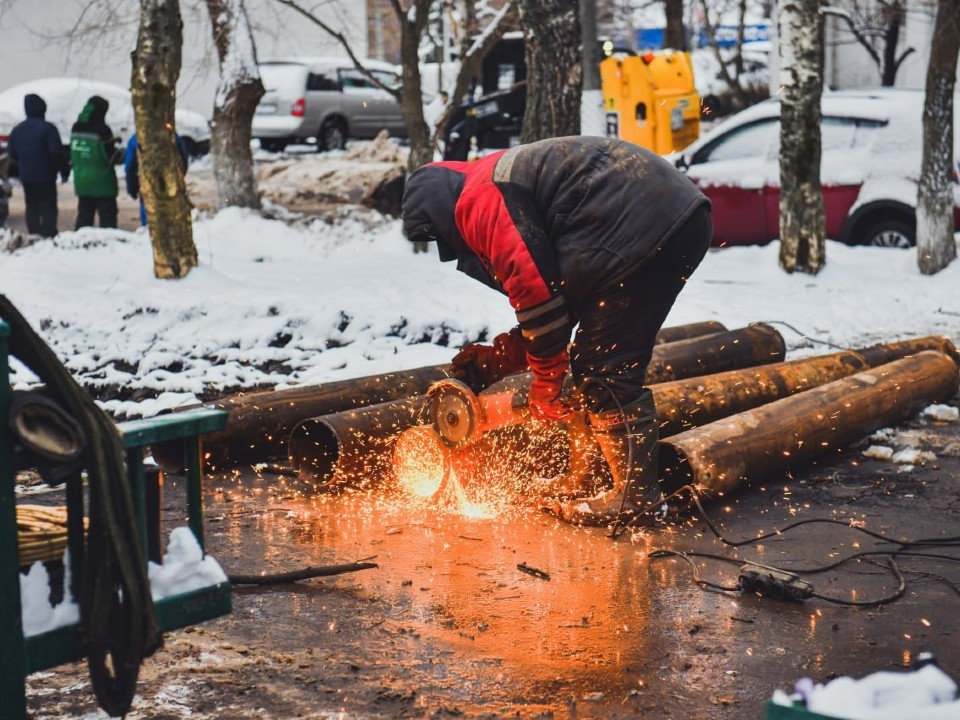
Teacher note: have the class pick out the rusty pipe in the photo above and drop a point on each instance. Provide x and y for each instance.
(757, 344)
(351, 447)
(259, 424)
(750, 445)
(691, 330)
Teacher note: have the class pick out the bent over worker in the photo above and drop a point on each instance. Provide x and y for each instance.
(573, 230)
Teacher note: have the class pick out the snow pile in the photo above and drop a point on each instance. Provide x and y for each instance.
(276, 304)
(941, 413)
(878, 452)
(185, 568)
(39, 616)
(928, 692)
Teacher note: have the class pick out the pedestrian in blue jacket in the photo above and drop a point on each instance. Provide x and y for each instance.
(131, 164)
(36, 148)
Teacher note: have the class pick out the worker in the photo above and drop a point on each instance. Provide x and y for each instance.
(578, 230)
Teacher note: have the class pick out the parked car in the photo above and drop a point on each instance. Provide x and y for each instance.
(870, 167)
(325, 101)
(65, 98)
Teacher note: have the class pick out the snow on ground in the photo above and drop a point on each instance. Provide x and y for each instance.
(276, 303)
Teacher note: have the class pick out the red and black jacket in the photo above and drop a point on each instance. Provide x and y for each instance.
(545, 223)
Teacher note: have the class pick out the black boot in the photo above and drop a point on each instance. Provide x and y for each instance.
(587, 472)
(629, 444)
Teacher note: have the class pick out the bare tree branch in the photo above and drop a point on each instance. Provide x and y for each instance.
(341, 38)
(854, 30)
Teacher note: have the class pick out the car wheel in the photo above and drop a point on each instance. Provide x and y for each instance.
(332, 136)
(890, 232)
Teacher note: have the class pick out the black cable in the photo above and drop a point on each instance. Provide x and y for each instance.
(804, 335)
(891, 554)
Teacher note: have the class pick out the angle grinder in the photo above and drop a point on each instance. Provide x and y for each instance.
(461, 417)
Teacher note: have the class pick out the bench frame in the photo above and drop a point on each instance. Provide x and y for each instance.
(20, 655)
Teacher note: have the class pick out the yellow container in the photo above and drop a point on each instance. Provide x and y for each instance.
(650, 100)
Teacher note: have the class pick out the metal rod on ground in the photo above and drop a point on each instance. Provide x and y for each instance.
(259, 424)
(751, 445)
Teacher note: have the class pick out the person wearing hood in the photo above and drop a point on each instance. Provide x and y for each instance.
(584, 231)
(93, 152)
(36, 147)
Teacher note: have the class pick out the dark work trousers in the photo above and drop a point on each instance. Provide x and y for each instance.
(619, 321)
(105, 207)
(41, 207)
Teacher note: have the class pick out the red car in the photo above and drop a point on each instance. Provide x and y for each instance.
(870, 165)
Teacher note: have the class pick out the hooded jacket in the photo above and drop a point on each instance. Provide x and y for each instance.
(547, 223)
(93, 150)
(35, 145)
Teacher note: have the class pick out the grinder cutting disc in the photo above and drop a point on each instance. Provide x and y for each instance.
(455, 412)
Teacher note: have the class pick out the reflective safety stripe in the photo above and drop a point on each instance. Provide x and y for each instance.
(533, 313)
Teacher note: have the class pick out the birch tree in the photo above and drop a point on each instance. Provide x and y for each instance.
(802, 229)
(153, 84)
(554, 54)
(239, 89)
(935, 244)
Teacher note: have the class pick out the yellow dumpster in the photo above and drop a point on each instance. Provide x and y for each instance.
(650, 100)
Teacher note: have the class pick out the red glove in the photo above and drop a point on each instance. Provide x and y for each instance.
(544, 396)
(480, 366)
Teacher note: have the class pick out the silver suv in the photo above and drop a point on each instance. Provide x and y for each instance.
(325, 101)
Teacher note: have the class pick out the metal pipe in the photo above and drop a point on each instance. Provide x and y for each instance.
(259, 424)
(757, 344)
(753, 444)
(351, 447)
(335, 449)
(692, 330)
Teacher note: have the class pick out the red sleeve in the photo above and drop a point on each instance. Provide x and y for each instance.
(486, 226)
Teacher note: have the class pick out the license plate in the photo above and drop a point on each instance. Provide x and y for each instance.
(266, 109)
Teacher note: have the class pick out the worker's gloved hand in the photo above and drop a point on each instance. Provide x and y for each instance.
(544, 398)
(479, 366)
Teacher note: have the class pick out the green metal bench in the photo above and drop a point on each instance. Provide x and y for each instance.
(20, 655)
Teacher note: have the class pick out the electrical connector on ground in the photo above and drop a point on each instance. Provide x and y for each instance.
(774, 583)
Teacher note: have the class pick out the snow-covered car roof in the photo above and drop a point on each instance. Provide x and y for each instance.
(329, 62)
(66, 96)
(886, 105)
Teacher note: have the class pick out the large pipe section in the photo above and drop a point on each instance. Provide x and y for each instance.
(756, 344)
(753, 444)
(332, 446)
(259, 424)
(683, 404)
(354, 446)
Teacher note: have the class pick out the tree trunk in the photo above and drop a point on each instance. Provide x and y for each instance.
(552, 36)
(732, 81)
(935, 244)
(412, 24)
(802, 231)
(239, 89)
(156, 67)
(673, 35)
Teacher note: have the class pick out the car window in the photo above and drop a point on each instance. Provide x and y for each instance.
(387, 79)
(746, 141)
(354, 79)
(321, 81)
(840, 133)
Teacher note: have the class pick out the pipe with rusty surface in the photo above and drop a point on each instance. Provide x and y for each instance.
(756, 344)
(332, 447)
(683, 404)
(744, 447)
(259, 424)
(354, 446)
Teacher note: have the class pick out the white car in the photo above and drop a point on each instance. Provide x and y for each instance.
(65, 98)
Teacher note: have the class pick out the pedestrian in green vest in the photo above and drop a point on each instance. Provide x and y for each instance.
(93, 152)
